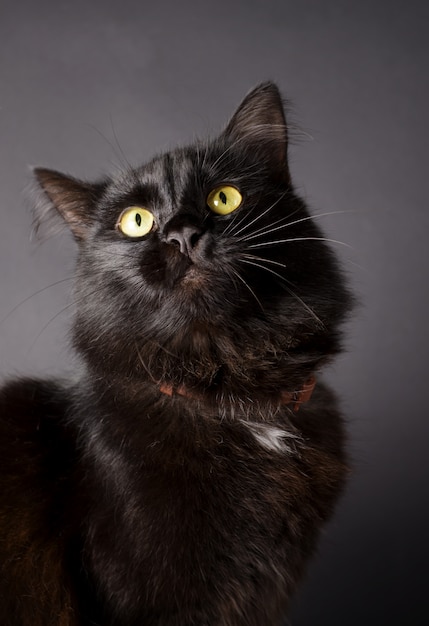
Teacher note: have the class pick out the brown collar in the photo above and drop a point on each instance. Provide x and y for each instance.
(287, 397)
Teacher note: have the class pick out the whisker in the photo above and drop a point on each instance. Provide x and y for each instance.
(63, 310)
(122, 161)
(258, 233)
(315, 217)
(233, 222)
(36, 293)
(262, 229)
(262, 232)
(77, 275)
(206, 151)
(130, 167)
(290, 291)
(264, 268)
(248, 287)
(224, 153)
(258, 217)
(262, 129)
(259, 258)
(272, 243)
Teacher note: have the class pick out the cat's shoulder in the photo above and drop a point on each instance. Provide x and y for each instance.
(27, 389)
(26, 404)
(34, 428)
(37, 461)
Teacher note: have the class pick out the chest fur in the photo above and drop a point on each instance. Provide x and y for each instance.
(198, 522)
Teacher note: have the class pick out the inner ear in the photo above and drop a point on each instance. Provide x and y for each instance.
(260, 121)
(73, 199)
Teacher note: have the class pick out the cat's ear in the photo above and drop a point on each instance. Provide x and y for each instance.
(260, 121)
(72, 199)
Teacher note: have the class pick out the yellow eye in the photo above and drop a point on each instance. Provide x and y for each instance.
(224, 200)
(136, 222)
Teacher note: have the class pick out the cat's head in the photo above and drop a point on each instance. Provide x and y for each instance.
(203, 267)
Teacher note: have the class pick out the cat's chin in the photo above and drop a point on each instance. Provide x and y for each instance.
(193, 279)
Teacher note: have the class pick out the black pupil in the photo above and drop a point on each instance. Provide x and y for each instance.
(222, 197)
(138, 219)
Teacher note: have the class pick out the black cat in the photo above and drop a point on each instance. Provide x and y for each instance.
(182, 477)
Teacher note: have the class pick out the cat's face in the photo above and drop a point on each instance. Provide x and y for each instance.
(202, 264)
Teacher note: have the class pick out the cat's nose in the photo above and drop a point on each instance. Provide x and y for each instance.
(185, 238)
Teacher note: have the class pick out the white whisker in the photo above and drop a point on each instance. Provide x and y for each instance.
(264, 268)
(259, 258)
(262, 229)
(258, 217)
(272, 243)
(292, 293)
(225, 152)
(63, 310)
(233, 222)
(261, 232)
(248, 287)
(36, 293)
(315, 217)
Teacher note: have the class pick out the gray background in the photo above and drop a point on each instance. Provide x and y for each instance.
(78, 78)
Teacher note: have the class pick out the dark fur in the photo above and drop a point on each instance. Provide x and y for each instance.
(120, 505)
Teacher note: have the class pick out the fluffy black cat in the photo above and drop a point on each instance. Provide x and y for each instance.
(182, 477)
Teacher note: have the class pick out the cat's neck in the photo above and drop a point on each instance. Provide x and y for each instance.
(130, 396)
(293, 399)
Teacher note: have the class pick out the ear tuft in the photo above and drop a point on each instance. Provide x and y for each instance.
(260, 120)
(73, 199)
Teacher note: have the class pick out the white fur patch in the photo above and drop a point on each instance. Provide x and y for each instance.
(271, 437)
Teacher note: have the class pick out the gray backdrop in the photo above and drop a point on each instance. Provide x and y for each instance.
(78, 78)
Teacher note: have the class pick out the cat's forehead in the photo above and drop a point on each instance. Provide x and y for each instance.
(169, 173)
(193, 169)
(173, 165)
